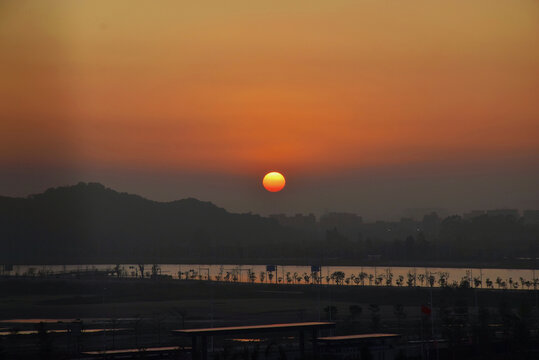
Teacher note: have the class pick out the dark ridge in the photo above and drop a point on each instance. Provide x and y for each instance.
(89, 222)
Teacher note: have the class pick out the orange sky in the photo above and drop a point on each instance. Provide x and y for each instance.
(240, 87)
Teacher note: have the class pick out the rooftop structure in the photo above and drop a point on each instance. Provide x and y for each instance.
(357, 337)
(376, 345)
(203, 333)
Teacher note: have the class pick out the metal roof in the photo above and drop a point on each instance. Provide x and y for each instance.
(249, 328)
(358, 337)
(127, 351)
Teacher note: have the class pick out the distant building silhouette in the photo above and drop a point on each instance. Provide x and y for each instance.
(419, 213)
(298, 221)
(431, 224)
(340, 220)
(531, 216)
(504, 212)
(494, 212)
(473, 214)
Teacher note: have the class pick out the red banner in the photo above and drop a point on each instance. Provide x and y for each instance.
(425, 310)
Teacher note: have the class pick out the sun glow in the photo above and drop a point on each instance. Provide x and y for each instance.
(274, 181)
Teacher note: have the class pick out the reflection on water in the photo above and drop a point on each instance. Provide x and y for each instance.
(518, 279)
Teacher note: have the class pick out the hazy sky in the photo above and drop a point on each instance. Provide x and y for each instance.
(369, 106)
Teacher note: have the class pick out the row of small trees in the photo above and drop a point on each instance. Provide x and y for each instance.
(387, 278)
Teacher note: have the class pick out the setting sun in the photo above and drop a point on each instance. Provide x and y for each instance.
(133, 135)
(274, 181)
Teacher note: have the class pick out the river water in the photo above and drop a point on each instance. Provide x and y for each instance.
(520, 279)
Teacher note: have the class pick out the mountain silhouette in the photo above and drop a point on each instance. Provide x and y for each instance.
(88, 222)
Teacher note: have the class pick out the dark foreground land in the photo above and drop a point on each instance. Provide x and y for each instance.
(140, 314)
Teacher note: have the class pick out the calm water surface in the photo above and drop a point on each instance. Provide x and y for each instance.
(289, 274)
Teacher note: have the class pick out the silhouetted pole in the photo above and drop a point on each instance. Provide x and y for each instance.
(432, 314)
(535, 287)
(319, 279)
(319, 276)
(194, 349)
(534, 280)
(329, 292)
(302, 344)
(315, 344)
(204, 348)
(104, 330)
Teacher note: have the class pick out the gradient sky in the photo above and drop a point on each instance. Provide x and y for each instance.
(367, 106)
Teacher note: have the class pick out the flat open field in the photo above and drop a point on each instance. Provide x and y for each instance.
(61, 298)
(146, 310)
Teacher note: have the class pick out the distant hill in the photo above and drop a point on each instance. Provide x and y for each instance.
(88, 223)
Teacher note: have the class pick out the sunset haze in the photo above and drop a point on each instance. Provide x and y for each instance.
(203, 99)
